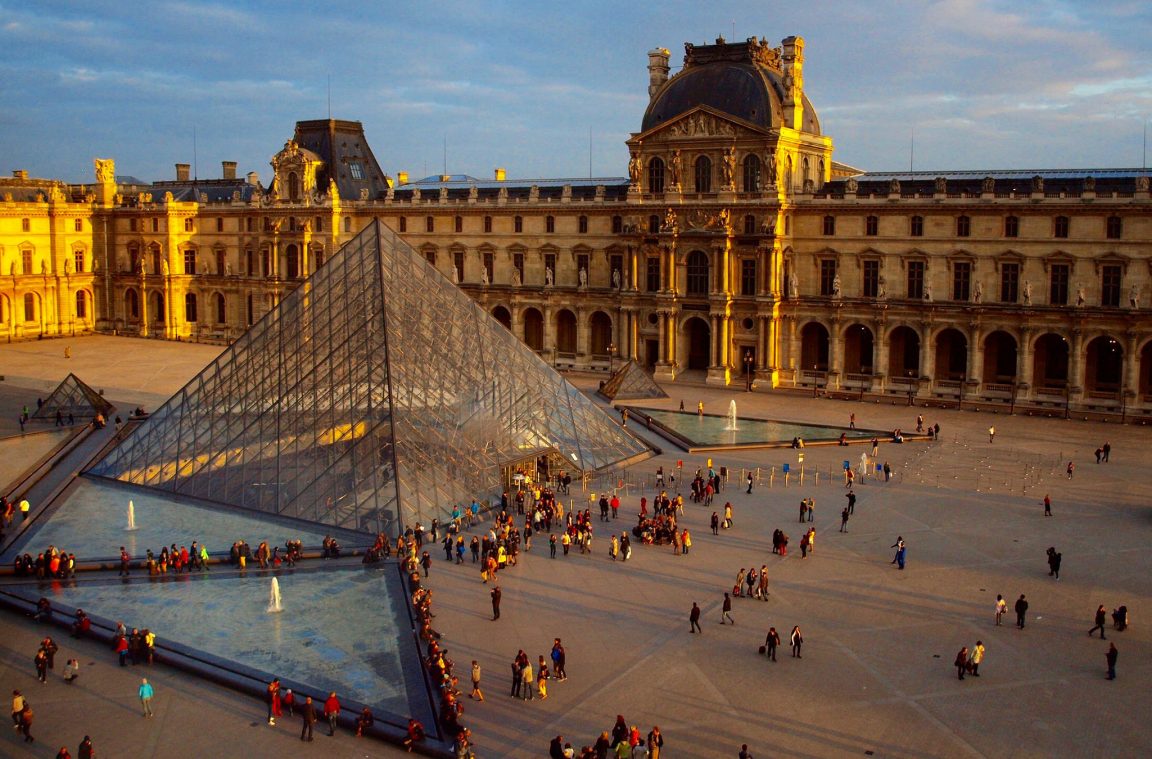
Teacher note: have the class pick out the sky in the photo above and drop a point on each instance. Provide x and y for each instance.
(554, 89)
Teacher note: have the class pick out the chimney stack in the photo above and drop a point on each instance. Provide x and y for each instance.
(19, 173)
(229, 169)
(253, 178)
(792, 57)
(657, 70)
(500, 175)
(183, 172)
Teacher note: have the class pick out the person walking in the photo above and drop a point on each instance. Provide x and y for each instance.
(1111, 657)
(332, 712)
(1107, 449)
(771, 642)
(1001, 608)
(844, 520)
(762, 587)
(1047, 505)
(273, 696)
(852, 421)
(516, 677)
(125, 561)
(961, 662)
(17, 707)
(803, 509)
(1070, 469)
(749, 483)
(694, 618)
(797, 640)
(559, 660)
(976, 658)
(655, 742)
(25, 723)
(726, 610)
(901, 552)
(1054, 560)
(86, 750)
(146, 693)
(526, 680)
(1021, 610)
(991, 433)
(476, 692)
(41, 662)
(851, 496)
(308, 719)
(496, 594)
(1101, 618)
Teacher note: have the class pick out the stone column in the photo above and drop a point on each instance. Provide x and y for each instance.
(881, 349)
(927, 353)
(1076, 366)
(835, 356)
(1024, 362)
(549, 331)
(1131, 371)
(713, 346)
(975, 369)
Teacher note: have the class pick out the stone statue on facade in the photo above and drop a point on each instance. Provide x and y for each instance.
(941, 186)
(927, 293)
(583, 277)
(105, 170)
(851, 186)
(1141, 184)
(772, 167)
(1089, 184)
(484, 275)
(894, 187)
(534, 193)
(836, 286)
(516, 279)
(1080, 299)
(616, 279)
(1027, 292)
(1037, 183)
(548, 276)
(988, 185)
(1134, 296)
(881, 293)
(455, 275)
(978, 292)
(670, 222)
(635, 169)
(674, 170)
(793, 286)
(728, 169)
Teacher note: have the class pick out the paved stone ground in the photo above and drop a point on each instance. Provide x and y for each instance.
(876, 673)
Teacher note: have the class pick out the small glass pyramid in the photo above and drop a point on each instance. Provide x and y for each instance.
(73, 397)
(375, 395)
(631, 381)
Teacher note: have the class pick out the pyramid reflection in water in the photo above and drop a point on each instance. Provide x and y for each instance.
(376, 395)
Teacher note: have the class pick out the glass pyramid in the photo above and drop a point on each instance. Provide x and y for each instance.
(631, 381)
(74, 397)
(377, 394)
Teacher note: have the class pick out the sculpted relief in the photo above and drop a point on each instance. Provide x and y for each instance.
(105, 170)
(701, 125)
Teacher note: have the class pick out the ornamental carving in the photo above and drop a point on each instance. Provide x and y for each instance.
(701, 124)
(105, 170)
(701, 220)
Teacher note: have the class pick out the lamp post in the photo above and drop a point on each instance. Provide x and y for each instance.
(1067, 399)
(1012, 406)
(748, 371)
(960, 400)
(910, 389)
(611, 357)
(815, 380)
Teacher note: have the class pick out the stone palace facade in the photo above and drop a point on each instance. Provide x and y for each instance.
(734, 251)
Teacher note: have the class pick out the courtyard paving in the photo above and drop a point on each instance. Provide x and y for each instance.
(876, 675)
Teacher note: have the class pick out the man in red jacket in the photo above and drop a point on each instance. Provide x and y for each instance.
(331, 712)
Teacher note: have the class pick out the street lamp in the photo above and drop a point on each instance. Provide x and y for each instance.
(815, 380)
(960, 400)
(611, 357)
(748, 371)
(1012, 406)
(910, 391)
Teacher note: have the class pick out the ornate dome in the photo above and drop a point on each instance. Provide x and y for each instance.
(746, 80)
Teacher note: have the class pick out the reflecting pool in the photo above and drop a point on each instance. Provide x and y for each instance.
(693, 431)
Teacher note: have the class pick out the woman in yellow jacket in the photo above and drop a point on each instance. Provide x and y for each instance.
(685, 542)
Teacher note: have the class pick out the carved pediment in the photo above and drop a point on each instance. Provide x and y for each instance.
(702, 123)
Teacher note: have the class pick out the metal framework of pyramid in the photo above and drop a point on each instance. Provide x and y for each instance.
(73, 397)
(631, 381)
(375, 395)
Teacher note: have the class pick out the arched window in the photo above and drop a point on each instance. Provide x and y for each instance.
(293, 186)
(29, 307)
(697, 269)
(221, 309)
(703, 174)
(190, 308)
(656, 175)
(751, 173)
(81, 305)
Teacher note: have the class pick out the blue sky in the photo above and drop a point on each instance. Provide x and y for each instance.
(1038, 84)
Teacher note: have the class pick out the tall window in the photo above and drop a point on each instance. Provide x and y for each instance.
(829, 225)
(748, 276)
(871, 278)
(550, 263)
(656, 175)
(916, 226)
(221, 309)
(697, 270)
(81, 305)
(458, 262)
(430, 256)
(703, 174)
(190, 308)
(319, 224)
(249, 224)
(249, 262)
(1058, 284)
(190, 262)
(220, 262)
(488, 224)
(132, 225)
(25, 225)
(582, 225)
(429, 223)
(963, 226)
(1009, 283)
(458, 224)
(518, 264)
(961, 281)
(518, 224)
(78, 260)
(751, 173)
(1110, 286)
(827, 275)
(29, 307)
(1060, 227)
(347, 223)
(188, 225)
(489, 266)
(749, 224)
(1011, 226)
(1114, 227)
(653, 224)
(26, 261)
(550, 224)
(916, 280)
(652, 274)
(403, 224)
(155, 225)
(78, 225)
(219, 223)
(617, 225)
(872, 226)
